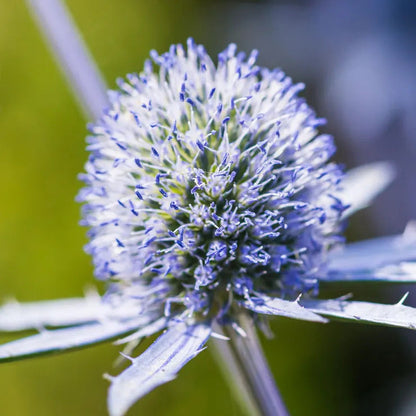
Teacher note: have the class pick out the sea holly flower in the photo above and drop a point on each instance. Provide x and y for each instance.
(212, 204)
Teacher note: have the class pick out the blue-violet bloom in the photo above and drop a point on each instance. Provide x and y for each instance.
(210, 194)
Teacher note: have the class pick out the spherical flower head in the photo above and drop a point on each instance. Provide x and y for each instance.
(208, 184)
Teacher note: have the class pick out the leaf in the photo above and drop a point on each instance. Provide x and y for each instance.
(361, 185)
(404, 272)
(390, 258)
(392, 315)
(157, 365)
(64, 339)
(280, 307)
(16, 316)
(373, 253)
(146, 331)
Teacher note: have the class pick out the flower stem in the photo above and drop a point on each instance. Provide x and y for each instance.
(71, 54)
(248, 370)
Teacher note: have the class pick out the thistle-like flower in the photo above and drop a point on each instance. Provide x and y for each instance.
(210, 196)
(209, 189)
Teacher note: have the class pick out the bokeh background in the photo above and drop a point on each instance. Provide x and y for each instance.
(358, 60)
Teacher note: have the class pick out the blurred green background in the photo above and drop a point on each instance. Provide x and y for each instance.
(325, 370)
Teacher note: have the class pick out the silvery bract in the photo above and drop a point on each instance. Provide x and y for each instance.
(209, 194)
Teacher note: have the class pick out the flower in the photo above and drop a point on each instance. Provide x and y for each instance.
(208, 185)
(210, 194)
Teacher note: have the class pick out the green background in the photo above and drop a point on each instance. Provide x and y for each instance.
(320, 369)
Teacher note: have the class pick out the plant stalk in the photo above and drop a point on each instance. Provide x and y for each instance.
(243, 359)
(72, 55)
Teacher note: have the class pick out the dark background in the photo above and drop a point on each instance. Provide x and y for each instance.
(358, 60)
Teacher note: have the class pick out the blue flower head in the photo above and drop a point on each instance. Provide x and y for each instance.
(209, 196)
(209, 185)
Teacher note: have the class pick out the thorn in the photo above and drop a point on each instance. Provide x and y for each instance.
(91, 293)
(108, 377)
(10, 302)
(129, 338)
(240, 331)
(42, 330)
(127, 357)
(401, 301)
(345, 297)
(298, 298)
(219, 336)
(409, 233)
(200, 350)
